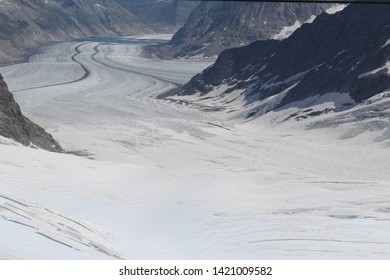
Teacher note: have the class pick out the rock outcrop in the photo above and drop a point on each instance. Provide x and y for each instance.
(19, 128)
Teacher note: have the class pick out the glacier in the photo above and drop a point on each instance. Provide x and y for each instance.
(154, 178)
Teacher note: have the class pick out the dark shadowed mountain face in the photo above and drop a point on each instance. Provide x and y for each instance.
(161, 15)
(348, 52)
(15, 126)
(215, 26)
(28, 24)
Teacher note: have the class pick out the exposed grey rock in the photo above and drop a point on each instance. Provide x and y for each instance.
(19, 128)
(215, 26)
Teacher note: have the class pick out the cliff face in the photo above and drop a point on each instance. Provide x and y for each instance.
(19, 128)
(25, 25)
(214, 26)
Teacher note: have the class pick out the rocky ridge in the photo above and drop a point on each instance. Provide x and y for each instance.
(214, 26)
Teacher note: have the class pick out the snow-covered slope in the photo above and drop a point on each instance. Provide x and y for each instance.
(178, 180)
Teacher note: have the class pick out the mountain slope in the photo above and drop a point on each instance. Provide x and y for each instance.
(25, 25)
(15, 126)
(215, 26)
(330, 65)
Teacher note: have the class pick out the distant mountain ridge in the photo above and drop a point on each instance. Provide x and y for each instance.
(161, 15)
(19, 128)
(343, 59)
(214, 26)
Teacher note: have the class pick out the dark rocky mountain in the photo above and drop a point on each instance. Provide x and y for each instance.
(16, 126)
(25, 25)
(347, 53)
(161, 15)
(214, 26)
